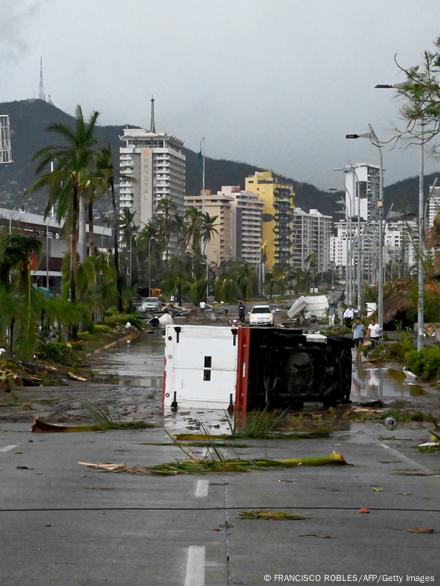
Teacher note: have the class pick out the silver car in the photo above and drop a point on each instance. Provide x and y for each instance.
(151, 305)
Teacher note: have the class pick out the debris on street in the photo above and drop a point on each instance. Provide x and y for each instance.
(272, 516)
(224, 465)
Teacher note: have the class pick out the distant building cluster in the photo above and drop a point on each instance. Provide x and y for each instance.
(260, 223)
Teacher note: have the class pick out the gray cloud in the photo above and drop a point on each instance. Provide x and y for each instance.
(14, 39)
(276, 83)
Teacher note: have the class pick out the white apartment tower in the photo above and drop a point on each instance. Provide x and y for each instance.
(246, 226)
(311, 234)
(362, 190)
(153, 164)
(433, 204)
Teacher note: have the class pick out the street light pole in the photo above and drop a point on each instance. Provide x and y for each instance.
(372, 137)
(348, 243)
(149, 263)
(421, 269)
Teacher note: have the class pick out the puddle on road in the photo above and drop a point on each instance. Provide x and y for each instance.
(388, 384)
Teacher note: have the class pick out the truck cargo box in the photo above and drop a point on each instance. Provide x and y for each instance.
(254, 368)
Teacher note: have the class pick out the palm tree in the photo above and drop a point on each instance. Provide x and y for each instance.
(311, 262)
(208, 228)
(194, 230)
(164, 209)
(180, 229)
(70, 181)
(18, 255)
(129, 230)
(246, 279)
(105, 170)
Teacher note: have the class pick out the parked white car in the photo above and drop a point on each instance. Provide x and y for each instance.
(261, 315)
(151, 304)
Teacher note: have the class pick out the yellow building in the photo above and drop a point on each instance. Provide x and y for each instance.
(278, 208)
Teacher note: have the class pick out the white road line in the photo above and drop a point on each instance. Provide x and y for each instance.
(406, 459)
(8, 448)
(195, 566)
(202, 488)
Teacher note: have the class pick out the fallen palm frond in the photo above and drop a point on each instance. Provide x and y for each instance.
(196, 444)
(434, 444)
(272, 516)
(40, 426)
(214, 466)
(273, 435)
(429, 447)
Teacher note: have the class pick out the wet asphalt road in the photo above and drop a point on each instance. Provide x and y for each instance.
(63, 523)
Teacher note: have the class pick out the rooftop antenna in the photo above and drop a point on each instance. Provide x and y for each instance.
(41, 95)
(152, 123)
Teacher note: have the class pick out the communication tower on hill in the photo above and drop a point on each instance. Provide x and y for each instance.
(41, 94)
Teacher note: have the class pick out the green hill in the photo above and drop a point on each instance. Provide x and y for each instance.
(30, 118)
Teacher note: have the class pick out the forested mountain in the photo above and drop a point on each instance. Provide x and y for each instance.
(30, 118)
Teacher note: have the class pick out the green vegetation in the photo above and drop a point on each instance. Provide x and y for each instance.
(425, 363)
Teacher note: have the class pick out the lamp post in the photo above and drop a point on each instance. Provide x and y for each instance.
(349, 269)
(421, 270)
(372, 137)
(149, 263)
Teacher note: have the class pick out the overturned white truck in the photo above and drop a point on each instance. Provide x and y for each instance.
(254, 368)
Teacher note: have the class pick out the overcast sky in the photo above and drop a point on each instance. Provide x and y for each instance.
(275, 83)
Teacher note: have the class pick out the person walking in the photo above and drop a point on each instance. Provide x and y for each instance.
(348, 316)
(358, 333)
(374, 332)
(241, 311)
(331, 314)
(202, 307)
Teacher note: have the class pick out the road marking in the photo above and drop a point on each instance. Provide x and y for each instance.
(409, 460)
(8, 448)
(202, 488)
(195, 566)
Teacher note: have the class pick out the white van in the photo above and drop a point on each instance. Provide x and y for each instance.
(261, 315)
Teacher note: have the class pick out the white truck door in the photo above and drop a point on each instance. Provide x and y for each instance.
(200, 366)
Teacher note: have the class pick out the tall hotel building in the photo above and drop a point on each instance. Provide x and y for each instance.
(152, 167)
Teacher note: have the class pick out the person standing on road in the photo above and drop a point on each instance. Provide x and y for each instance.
(202, 306)
(348, 316)
(358, 333)
(374, 332)
(331, 314)
(241, 311)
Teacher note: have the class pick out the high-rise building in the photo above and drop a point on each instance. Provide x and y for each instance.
(152, 166)
(311, 240)
(433, 204)
(362, 190)
(401, 242)
(246, 227)
(278, 200)
(219, 247)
